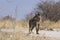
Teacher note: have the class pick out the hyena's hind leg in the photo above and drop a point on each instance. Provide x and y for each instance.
(30, 27)
(33, 25)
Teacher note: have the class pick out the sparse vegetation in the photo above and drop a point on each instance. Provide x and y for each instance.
(51, 20)
(50, 10)
(23, 25)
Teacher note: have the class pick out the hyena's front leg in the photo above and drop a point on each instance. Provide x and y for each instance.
(37, 27)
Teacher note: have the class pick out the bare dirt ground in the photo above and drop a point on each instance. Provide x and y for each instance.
(23, 35)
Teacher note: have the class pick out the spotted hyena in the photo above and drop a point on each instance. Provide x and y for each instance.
(34, 22)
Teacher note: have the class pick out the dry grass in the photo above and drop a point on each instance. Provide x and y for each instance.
(22, 36)
(50, 24)
(24, 24)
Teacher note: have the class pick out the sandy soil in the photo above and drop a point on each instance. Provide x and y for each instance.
(23, 35)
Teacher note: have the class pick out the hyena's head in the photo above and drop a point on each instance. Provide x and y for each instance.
(37, 15)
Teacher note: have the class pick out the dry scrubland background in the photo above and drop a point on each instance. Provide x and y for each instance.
(19, 25)
(8, 24)
(51, 11)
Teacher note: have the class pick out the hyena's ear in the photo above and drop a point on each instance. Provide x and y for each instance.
(38, 14)
(35, 14)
